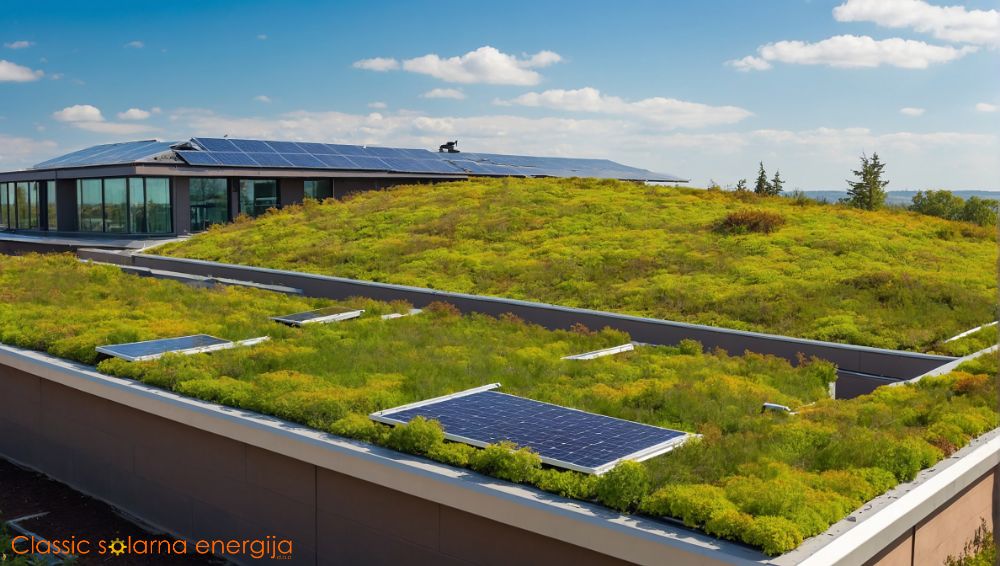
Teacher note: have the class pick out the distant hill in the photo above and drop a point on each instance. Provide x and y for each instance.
(900, 197)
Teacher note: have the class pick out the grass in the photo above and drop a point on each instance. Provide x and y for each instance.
(891, 279)
(978, 340)
(768, 480)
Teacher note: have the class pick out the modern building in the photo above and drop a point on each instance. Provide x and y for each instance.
(156, 188)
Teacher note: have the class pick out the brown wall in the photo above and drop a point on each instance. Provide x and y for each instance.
(946, 532)
(201, 485)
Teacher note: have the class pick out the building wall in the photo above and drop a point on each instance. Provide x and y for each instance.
(205, 486)
(182, 204)
(66, 205)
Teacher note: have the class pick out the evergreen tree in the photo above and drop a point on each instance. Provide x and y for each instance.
(762, 186)
(741, 186)
(776, 183)
(868, 192)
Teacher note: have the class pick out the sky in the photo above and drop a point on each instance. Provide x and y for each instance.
(704, 90)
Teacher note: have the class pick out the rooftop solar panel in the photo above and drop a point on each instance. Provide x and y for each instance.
(253, 146)
(215, 144)
(152, 349)
(108, 154)
(562, 437)
(601, 353)
(286, 147)
(319, 316)
(303, 160)
(198, 158)
(233, 158)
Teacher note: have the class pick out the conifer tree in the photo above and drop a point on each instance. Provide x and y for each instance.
(868, 192)
(741, 186)
(776, 183)
(762, 186)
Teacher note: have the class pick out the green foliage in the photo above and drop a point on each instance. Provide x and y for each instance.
(744, 221)
(419, 436)
(649, 251)
(777, 183)
(868, 191)
(944, 204)
(624, 486)
(762, 186)
(980, 211)
(744, 473)
(506, 461)
(970, 344)
(981, 550)
(741, 186)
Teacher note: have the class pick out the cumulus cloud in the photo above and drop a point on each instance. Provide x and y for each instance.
(810, 158)
(14, 73)
(88, 117)
(986, 107)
(378, 105)
(911, 111)
(17, 152)
(853, 51)
(21, 44)
(949, 23)
(262, 98)
(486, 65)
(666, 112)
(452, 93)
(379, 64)
(262, 36)
(132, 114)
(135, 44)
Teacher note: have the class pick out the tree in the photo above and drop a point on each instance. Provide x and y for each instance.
(868, 192)
(980, 211)
(942, 204)
(741, 186)
(776, 183)
(762, 186)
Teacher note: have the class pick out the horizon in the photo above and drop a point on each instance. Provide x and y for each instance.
(703, 91)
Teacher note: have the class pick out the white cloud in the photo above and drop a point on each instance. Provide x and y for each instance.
(452, 93)
(484, 65)
(380, 64)
(262, 98)
(14, 73)
(378, 105)
(133, 114)
(819, 158)
(262, 36)
(911, 111)
(89, 118)
(21, 44)
(853, 51)
(950, 23)
(665, 112)
(56, 76)
(986, 107)
(135, 44)
(18, 152)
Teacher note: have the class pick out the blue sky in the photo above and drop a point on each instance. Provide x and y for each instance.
(700, 89)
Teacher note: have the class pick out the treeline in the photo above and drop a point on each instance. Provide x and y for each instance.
(945, 204)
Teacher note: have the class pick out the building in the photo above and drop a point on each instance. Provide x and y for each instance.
(153, 188)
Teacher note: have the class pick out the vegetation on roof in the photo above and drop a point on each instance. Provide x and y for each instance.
(888, 278)
(765, 479)
(970, 344)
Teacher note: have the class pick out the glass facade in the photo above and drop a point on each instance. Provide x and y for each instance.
(319, 189)
(5, 207)
(258, 195)
(51, 217)
(209, 202)
(21, 205)
(138, 205)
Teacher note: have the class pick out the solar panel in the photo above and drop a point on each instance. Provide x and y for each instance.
(216, 144)
(337, 161)
(252, 146)
(270, 159)
(152, 349)
(562, 437)
(286, 147)
(303, 160)
(601, 353)
(234, 158)
(108, 154)
(198, 158)
(320, 316)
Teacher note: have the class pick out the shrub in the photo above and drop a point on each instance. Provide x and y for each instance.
(506, 461)
(730, 524)
(624, 486)
(566, 483)
(773, 535)
(360, 427)
(453, 453)
(695, 504)
(758, 221)
(418, 436)
(690, 347)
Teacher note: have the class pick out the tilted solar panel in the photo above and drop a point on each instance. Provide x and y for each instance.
(320, 316)
(152, 349)
(562, 437)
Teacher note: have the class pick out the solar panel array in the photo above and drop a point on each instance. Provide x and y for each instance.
(563, 437)
(324, 315)
(152, 349)
(272, 154)
(109, 154)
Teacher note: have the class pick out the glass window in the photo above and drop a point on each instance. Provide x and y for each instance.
(115, 206)
(90, 213)
(3, 205)
(209, 203)
(50, 203)
(137, 205)
(258, 195)
(159, 213)
(26, 195)
(319, 189)
(11, 207)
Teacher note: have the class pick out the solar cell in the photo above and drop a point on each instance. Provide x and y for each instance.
(286, 147)
(198, 158)
(152, 349)
(369, 163)
(317, 148)
(562, 437)
(270, 159)
(234, 158)
(337, 161)
(324, 315)
(303, 160)
(215, 144)
(252, 146)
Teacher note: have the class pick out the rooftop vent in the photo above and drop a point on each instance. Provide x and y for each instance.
(449, 147)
